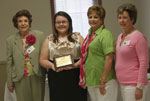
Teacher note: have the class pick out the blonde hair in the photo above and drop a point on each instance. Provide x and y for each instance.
(99, 10)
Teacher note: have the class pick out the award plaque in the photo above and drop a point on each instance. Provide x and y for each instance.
(63, 61)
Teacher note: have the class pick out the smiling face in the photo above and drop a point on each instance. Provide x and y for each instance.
(23, 24)
(94, 21)
(125, 22)
(62, 25)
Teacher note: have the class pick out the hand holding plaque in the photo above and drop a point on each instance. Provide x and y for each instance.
(63, 61)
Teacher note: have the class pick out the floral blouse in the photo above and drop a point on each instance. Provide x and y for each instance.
(28, 71)
(64, 47)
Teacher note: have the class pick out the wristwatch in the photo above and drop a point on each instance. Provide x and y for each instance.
(139, 87)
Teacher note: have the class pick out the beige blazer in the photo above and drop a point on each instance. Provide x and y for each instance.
(15, 56)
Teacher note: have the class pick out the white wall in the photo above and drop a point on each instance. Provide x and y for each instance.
(40, 10)
(144, 12)
(111, 21)
(144, 17)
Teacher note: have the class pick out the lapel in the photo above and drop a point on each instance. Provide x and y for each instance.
(18, 43)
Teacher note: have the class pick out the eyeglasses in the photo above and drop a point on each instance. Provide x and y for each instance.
(62, 22)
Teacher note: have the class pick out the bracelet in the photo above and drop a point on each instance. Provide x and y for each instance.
(139, 87)
(103, 82)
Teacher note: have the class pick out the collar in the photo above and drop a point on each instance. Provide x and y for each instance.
(98, 31)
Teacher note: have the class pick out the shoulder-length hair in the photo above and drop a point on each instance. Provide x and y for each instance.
(70, 29)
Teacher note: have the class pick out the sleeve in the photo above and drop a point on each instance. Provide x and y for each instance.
(9, 63)
(108, 43)
(142, 53)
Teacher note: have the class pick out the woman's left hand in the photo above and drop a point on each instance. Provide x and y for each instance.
(68, 68)
(64, 68)
(138, 94)
(102, 89)
(107, 68)
(59, 69)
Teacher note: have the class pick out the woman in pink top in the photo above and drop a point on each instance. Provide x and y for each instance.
(131, 56)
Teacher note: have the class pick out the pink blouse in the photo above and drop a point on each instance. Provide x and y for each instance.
(132, 59)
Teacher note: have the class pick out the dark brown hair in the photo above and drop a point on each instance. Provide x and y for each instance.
(70, 29)
(100, 11)
(131, 9)
(20, 13)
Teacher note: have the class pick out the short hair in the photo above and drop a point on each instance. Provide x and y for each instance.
(99, 10)
(130, 9)
(20, 13)
(70, 29)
